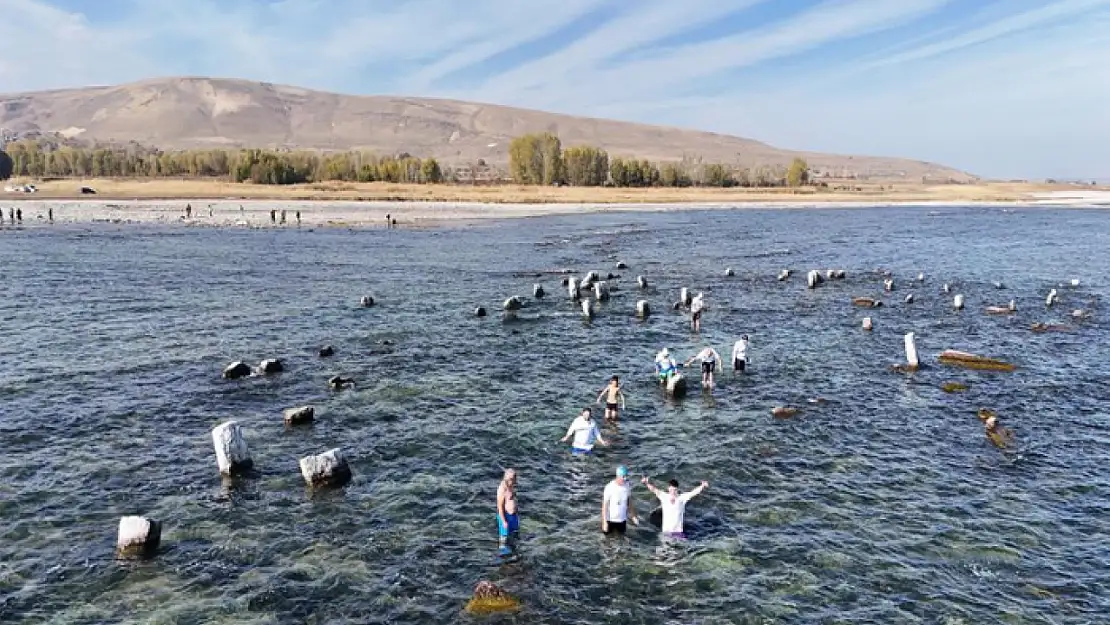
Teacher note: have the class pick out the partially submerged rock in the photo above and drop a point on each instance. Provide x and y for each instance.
(338, 383)
(986, 413)
(327, 469)
(271, 365)
(236, 370)
(729, 272)
(867, 324)
(480, 311)
(866, 302)
(366, 301)
(676, 385)
(232, 455)
(972, 361)
(783, 275)
(537, 291)
(1002, 310)
(784, 412)
(327, 351)
(643, 309)
(299, 416)
(489, 598)
(138, 535)
(641, 282)
(1050, 327)
(512, 303)
(953, 387)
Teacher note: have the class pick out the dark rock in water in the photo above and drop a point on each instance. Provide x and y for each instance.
(621, 266)
(612, 276)
(676, 306)
(479, 312)
(327, 351)
(366, 301)
(236, 370)
(385, 342)
(298, 416)
(566, 281)
(338, 382)
(327, 469)
(271, 365)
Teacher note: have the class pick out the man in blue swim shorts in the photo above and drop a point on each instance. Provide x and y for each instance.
(585, 432)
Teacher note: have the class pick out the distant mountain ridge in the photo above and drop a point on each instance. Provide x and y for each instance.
(197, 112)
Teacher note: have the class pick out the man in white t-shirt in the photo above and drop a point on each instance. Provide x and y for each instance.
(585, 432)
(616, 504)
(740, 354)
(697, 306)
(710, 359)
(673, 505)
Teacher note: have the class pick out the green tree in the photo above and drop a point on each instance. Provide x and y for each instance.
(536, 159)
(7, 166)
(717, 175)
(586, 166)
(430, 171)
(798, 173)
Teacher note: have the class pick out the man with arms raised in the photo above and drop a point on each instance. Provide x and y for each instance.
(673, 505)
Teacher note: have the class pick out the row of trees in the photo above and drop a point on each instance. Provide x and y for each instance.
(534, 159)
(541, 159)
(30, 158)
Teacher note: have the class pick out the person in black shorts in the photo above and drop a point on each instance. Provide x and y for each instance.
(615, 393)
(709, 359)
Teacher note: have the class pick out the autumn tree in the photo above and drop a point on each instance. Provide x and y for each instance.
(586, 166)
(798, 173)
(430, 171)
(536, 159)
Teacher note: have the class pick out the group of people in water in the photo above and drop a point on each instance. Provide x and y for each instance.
(617, 504)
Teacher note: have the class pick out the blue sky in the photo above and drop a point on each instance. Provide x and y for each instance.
(1001, 88)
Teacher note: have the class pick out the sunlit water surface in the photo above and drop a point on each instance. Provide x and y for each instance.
(883, 505)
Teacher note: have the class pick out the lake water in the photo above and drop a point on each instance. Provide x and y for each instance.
(884, 505)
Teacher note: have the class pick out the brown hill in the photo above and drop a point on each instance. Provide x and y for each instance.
(207, 112)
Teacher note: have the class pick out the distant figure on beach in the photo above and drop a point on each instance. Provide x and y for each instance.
(11, 215)
(585, 432)
(50, 214)
(740, 354)
(387, 221)
(665, 366)
(508, 521)
(283, 216)
(709, 360)
(617, 506)
(673, 506)
(615, 393)
(697, 306)
(19, 215)
(188, 211)
(1, 216)
(240, 209)
(273, 216)
(298, 218)
(210, 210)
(394, 223)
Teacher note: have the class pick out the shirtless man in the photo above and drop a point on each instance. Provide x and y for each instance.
(615, 393)
(508, 523)
(710, 359)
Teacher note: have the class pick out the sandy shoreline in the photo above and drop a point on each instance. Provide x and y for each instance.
(322, 213)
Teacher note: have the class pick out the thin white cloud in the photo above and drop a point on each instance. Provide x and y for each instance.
(658, 73)
(997, 29)
(640, 25)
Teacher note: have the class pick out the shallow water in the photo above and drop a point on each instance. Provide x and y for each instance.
(883, 505)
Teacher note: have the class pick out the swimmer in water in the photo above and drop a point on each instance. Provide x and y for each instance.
(585, 432)
(1001, 437)
(673, 506)
(665, 366)
(615, 393)
(508, 521)
(710, 359)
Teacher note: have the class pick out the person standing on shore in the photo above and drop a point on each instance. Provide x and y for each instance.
(673, 506)
(298, 218)
(50, 214)
(740, 354)
(188, 211)
(11, 215)
(508, 521)
(387, 220)
(19, 215)
(283, 216)
(697, 306)
(585, 432)
(615, 393)
(273, 216)
(617, 506)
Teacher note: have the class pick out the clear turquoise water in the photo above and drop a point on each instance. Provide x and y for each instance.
(883, 505)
